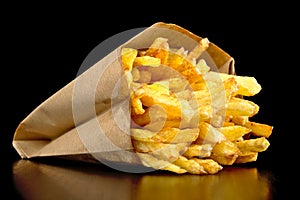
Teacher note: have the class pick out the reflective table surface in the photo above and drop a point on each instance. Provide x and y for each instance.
(50, 179)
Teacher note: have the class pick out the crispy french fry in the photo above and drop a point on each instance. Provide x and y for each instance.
(187, 118)
(167, 152)
(168, 135)
(209, 135)
(225, 160)
(241, 107)
(225, 148)
(259, 129)
(225, 153)
(150, 161)
(253, 145)
(161, 123)
(147, 61)
(247, 157)
(159, 49)
(233, 133)
(209, 165)
(240, 120)
(190, 166)
(128, 57)
(199, 151)
(155, 95)
(248, 86)
(175, 58)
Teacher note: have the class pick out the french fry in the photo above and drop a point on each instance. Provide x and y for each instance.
(128, 57)
(253, 145)
(225, 148)
(225, 159)
(150, 161)
(259, 129)
(247, 157)
(225, 153)
(247, 86)
(209, 135)
(147, 61)
(190, 166)
(199, 151)
(187, 118)
(241, 107)
(175, 58)
(168, 135)
(209, 165)
(159, 49)
(234, 132)
(170, 152)
(240, 120)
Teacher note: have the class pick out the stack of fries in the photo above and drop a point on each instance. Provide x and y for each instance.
(187, 118)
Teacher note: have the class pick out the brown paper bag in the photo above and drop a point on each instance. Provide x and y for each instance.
(88, 119)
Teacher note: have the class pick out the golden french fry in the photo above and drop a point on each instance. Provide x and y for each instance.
(136, 106)
(199, 151)
(248, 157)
(177, 84)
(159, 49)
(225, 123)
(174, 168)
(128, 57)
(146, 147)
(158, 95)
(248, 86)
(225, 153)
(189, 70)
(168, 135)
(186, 117)
(208, 134)
(240, 120)
(161, 123)
(150, 161)
(253, 145)
(241, 107)
(154, 116)
(169, 153)
(233, 133)
(209, 165)
(147, 61)
(225, 148)
(225, 160)
(176, 58)
(190, 166)
(259, 129)
(231, 87)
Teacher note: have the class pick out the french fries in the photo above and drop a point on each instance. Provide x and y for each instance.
(187, 118)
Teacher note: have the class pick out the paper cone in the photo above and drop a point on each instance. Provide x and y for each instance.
(88, 119)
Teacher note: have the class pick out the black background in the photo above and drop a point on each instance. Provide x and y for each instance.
(44, 45)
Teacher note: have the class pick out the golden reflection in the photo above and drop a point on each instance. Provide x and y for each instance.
(231, 183)
(37, 180)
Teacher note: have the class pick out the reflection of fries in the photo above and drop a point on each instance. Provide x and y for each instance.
(186, 117)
